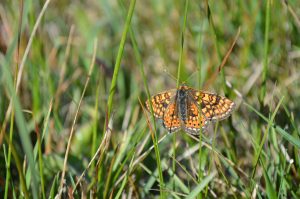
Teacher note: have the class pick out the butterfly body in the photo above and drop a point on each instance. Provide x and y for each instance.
(182, 96)
(189, 109)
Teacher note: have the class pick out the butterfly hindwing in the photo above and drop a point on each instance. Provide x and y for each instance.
(171, 121)
(195, 121)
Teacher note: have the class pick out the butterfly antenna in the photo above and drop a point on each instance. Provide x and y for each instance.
(170, 75)
(192, 75)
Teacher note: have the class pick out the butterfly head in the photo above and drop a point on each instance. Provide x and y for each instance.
(183, 86)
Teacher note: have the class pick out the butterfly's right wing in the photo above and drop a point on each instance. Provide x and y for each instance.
(160, 103)
(171, 120)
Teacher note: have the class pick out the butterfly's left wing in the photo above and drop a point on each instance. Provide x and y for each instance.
(214, 107)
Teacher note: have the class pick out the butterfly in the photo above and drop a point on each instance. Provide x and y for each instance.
(189, 109)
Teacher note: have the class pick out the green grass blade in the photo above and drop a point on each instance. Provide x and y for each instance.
(180, 69)
(293, 140)
(154, 137)
(270, 122)
(119, 58)
(115, 75)
(40, 153)
(54, 186)
(125, 179)
(23, 130)
(19, 168)
(271, 193)
(266, 51)
(179, 78)
(201, 186)
(8, 162)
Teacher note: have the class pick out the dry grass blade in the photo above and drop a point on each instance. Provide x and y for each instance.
(75, 117)
(214, 76)
(102, 148)
(63, 68)
(293, 13)
(221, 156)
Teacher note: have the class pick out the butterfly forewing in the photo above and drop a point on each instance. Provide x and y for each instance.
(213, 106)
(160, 103)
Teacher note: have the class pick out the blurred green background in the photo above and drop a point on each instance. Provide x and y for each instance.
(254, 153)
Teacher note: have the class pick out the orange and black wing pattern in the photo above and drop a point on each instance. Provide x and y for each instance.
(214, 107)
(171, 120)
(195, 121)
(160, 103)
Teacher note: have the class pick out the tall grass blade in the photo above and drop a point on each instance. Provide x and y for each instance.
(271, 193)
(154, 136)
(22, 129)
(266, 51)
(119, 58)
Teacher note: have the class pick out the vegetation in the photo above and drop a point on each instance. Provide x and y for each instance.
(74, 76)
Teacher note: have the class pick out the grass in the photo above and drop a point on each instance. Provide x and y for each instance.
(74, 79)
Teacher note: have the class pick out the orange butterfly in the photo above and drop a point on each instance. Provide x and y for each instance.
(189, 109)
